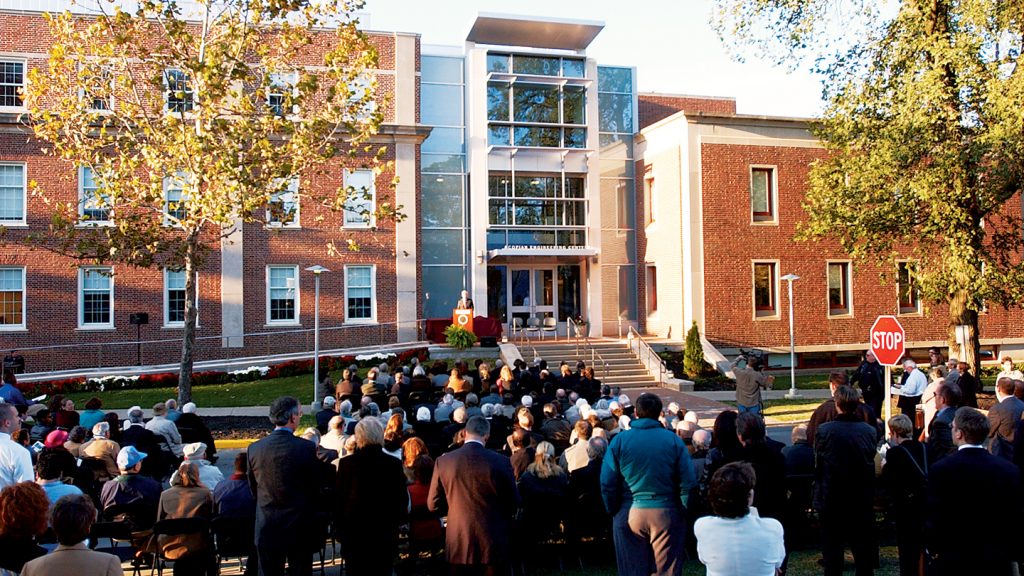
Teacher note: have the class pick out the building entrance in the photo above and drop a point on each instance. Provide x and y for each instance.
(544, 291)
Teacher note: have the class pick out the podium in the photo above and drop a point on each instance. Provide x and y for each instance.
(463, 318)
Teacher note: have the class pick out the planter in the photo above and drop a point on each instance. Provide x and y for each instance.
(581, 329)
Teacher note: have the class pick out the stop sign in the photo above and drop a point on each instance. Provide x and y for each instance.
(887, 340)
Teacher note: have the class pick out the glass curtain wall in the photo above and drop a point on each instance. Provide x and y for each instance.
(443, 205)
(618, 198)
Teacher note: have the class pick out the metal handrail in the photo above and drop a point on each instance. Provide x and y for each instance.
(573, 327)
(645, 353)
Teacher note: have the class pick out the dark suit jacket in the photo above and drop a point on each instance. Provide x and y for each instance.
(1003, 418)
(828, 412)
(372, 501)
(284, 475)
(951, 508)
(845, 464)
(477, 489)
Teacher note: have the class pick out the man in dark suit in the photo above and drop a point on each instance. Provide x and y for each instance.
(464, 301)
(284, 474)
(950, 511)
(844, 488)
(1003, 418)
(940, 429)
(477, 490)
(827, 411)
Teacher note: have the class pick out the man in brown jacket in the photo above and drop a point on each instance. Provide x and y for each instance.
(72, 518)
(749, 382)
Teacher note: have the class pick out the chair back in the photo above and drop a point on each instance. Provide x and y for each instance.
(234, 535)
(181, 526)
(517, 323)
(532, 323)
(550, 323)
(137, 514)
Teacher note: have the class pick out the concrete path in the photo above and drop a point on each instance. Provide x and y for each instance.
(729, 395)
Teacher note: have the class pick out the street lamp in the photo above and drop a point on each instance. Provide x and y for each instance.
(792, 348)
(316, 270)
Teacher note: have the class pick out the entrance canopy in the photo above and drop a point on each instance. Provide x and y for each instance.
(542, 251)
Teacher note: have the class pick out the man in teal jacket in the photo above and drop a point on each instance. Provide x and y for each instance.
(645, 481)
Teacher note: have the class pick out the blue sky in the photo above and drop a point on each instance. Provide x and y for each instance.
(669, 41)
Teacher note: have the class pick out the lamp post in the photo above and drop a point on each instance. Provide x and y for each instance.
(792, 348)
(316, 270)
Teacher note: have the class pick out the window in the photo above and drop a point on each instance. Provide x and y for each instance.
(12, 82)
(12, 298)
(174, 298)
(178, 91)
(649, 198)
(359, 205)
(99, 82)
(12, 194)
(283, 209)
(92, 202)
(175, 198)
(906, 288)
(762, 194)
(282, 87)
(96, 297)
(282, 295)
(766, 283)
(360, 294)
(652, 289)
(839, 303)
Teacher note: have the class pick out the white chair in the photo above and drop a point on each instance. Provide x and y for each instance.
(532, 326)
(550, 325)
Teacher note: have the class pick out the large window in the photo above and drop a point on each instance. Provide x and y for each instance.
(96, 297)
(92, 203)
(12, 194)
(535, 65)
(12, 298)
(532, 113)
(12, 82)
(361, 196)
(283, 209)
(360, 294)
(762, 194)
(178, 94)
(652, 289)
(839, 293)
(766, 284)
(282, 294)
(175, 198)
(539, 201)
(906, 288)
(174, 298)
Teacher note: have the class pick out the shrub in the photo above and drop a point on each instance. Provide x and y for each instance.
(693, 355)
(458, 337)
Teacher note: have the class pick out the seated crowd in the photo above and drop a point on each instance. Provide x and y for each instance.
(567, 441)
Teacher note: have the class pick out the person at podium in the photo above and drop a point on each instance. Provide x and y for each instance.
(465, 302)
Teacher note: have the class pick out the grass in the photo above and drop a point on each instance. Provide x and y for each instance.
(258, 393)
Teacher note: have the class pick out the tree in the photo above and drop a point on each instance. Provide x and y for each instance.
(192, 124)
(693, 354)
(922, 128)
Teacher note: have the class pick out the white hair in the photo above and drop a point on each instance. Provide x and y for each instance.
(101, 429)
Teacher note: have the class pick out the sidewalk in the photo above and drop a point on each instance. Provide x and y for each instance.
(730, 395)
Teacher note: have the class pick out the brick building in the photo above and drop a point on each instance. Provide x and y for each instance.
(531, 175)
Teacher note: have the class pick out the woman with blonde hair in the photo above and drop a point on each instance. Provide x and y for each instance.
(412, 449)
(505, 380)
(458, 384)
(187, 498)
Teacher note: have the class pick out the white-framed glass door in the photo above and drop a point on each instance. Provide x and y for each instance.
(531, 293)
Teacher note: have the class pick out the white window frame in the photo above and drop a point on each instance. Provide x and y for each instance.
(849, 290)
(167, 302)
(24, 81)
(917, 290)
(24, 197)
(650, 190)
(109, 221)
(277, 80)
(649, 271)
(361, 223)
(81, 299)
(88, 100)
(373, 295)
(776, 285)
(185, 181)
(24, 302)
(773, 191)
(292, 188)
(188, 92)
(298, 310)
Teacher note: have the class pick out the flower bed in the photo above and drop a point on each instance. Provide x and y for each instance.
(250, 374)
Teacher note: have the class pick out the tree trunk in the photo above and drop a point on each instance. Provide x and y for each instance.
(962, 313)
(188, 340)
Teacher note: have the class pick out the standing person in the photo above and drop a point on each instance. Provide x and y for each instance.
(1009, 371)
(476, 488)
(827, 410)
(464, 300)
(10, 393)
(870, 376)
(912, 389)
(645, 483)
(737, 540)
(844, 487)
(904, 478)
(940, 429)
(969, 385)
(1003, 418)
(284, 475)
(15, 460)
(749, 382)
(949, 510)
(769, 466)
(372, 503)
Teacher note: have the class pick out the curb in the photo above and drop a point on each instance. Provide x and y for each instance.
(234, 444)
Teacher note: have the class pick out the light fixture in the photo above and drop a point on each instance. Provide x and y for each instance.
(439, 179)
(535, 182)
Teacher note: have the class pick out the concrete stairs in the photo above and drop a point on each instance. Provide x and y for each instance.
(613, 362)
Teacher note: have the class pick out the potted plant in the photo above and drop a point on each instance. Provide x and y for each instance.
(458, 337)
(580, 324)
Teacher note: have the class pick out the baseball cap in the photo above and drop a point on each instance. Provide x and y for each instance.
(128, 457)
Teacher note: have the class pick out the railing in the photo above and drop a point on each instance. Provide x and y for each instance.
(89, 355)
(576, 330)
(647, 356)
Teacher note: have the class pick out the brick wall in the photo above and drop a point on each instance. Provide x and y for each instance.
(655, 107)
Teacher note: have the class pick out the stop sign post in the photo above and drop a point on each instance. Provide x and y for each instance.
(887, 340)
